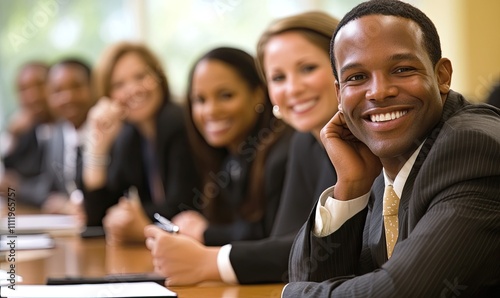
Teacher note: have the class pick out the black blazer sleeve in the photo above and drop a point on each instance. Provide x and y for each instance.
(274, 177)
(311, 255)
(122, 172)
(309, 172)
(178, 171)
(35, 190)
(41, 166)
(26, 158)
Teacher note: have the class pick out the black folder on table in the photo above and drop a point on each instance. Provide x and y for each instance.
(113, 278)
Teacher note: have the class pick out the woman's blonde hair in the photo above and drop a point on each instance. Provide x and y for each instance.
(111, 55)
(315, 26)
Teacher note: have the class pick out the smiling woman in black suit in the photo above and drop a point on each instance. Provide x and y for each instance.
(138, 138)
(240, 149)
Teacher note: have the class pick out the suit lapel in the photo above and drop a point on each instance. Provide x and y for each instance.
(376, 241)
(377, 234)
(452, 104)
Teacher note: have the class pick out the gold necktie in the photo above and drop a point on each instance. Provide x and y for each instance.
(390, 213)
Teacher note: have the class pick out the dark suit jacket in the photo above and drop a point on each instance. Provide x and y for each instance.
(309, 172)
(54, 161)
(274, 177)
(26, 157)
(449, 223)
(49, 174)
(127, 169)
(26, 161)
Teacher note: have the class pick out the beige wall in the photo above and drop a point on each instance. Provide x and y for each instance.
(470, 37)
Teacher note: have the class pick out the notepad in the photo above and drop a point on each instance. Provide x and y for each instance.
(25, 242)
(121, 290)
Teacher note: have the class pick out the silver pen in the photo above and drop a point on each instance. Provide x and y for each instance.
(166, 224)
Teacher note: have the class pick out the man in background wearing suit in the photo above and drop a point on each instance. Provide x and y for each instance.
(70, 96)
(435, 229)
(22, 145)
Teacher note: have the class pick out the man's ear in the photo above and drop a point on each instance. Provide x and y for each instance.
(443, 74)
(337, 91)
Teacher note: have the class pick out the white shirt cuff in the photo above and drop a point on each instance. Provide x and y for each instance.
(331, 214)
(226, 270)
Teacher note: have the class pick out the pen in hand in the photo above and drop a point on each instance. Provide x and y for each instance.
(166, 224)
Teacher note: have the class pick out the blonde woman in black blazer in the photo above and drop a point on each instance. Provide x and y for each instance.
(137, 139)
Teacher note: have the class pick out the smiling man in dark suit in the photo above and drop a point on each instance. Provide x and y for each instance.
(435, 229)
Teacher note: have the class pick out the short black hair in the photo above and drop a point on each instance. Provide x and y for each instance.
(76, 62)
(398, 9)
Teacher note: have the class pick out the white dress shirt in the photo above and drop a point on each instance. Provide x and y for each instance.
(73, 138)
(331, 214)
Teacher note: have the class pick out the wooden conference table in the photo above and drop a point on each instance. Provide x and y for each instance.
(74, 256)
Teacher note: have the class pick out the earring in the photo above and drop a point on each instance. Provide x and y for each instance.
(276, 112)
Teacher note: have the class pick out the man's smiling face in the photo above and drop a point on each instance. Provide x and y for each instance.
(388, 88)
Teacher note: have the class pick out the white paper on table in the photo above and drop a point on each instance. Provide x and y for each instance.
(131, 289)
(40, 223)
(25, 242)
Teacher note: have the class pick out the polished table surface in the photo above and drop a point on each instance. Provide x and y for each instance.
(73, 256)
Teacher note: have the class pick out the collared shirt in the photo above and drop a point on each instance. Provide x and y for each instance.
(73, 138)
(331, 214)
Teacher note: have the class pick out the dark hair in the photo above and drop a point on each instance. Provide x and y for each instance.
(75, 62)
(240, 61)
(209, 159)
(393, 8)
(33, 64)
